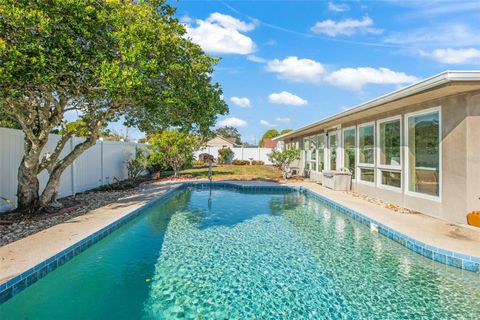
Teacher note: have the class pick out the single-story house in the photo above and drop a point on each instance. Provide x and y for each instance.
(221, 142)
(417, 147)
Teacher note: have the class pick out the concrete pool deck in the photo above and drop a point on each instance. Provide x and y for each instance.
(22, 255)
(431, 231)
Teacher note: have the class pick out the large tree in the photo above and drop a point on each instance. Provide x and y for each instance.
(269, 134)
(102, 59)
(229, 132)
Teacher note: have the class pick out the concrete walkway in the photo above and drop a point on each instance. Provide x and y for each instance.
(19, 256)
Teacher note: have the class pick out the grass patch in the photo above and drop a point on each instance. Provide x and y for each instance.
(231, 172)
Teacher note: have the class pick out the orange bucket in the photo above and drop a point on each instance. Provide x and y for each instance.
(473, 218)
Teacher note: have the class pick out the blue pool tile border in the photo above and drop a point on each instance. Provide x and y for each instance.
(453, 259)
(17, 284)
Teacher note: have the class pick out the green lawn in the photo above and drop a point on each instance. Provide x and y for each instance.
(231, 172)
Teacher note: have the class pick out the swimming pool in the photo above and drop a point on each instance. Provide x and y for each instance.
(230, 254)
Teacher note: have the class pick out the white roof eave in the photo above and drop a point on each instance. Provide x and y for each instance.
(423, 85)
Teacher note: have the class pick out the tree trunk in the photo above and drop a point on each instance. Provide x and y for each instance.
(50, 191)
(28, 185)
(28, 188)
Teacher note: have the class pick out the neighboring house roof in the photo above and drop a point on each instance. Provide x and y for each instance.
(231, 139)
(470, 79)
(269, 143)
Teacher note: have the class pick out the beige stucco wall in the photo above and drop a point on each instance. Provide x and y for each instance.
(460, 158)
(473, 154)
(220, 143)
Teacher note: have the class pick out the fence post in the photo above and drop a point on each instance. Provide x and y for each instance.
(72, 167)
(101, 161)
(242, 152)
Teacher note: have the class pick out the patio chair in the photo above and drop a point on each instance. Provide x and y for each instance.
(340, 180)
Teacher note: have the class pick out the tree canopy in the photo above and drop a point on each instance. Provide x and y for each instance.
(272, 133)
(269, 134)
(172, 149)
(229, 132)
(102, 59)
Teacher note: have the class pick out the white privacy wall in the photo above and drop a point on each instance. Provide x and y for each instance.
(240, 153)
(100, 164)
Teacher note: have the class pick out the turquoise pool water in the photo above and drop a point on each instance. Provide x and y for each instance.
(225, 254)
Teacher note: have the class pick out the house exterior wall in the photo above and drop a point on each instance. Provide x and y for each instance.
(459, 158)
(219, 142)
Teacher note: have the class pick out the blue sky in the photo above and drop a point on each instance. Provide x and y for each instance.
(285, 64)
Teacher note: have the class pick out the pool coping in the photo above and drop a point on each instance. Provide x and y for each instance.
(15, 285)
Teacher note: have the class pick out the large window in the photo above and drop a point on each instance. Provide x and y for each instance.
(313, 153)
(366, 144)
(366, 153)
(367, 175)
(306, 153)
(321, 152)
(390, 152)
(389, 137)
(349, 150)
(333, 145)
(423, 141)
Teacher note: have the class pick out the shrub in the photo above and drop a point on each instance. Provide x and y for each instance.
(198, 163)
(283, 159)
(258, 163)
(121, 185)
(137, 166)
(225, 155)
(205, 157)
(172, 148)
(241, 162)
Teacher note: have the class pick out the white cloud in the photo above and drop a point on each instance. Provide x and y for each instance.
(241, 102)
(186, 19)
(288, 98)
(265, 123)
(345, 27)
(298, 70)
(283, 120)
(230, 22)
(447, 35)
(256, 59)
(233, 122)
(221, 33)
(356, 78)
(337, 7)
(455, 56)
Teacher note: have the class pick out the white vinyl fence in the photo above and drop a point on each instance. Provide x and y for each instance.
(240, 153)
(99, 165)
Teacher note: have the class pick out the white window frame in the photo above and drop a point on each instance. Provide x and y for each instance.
(321, 136)
(355, 147)
(338, 133)
(305, 152)
(368, 183)
(366, 165)
(384, 167)
(361, 165)
(315, 162)
(386, 186)
(407, 152)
